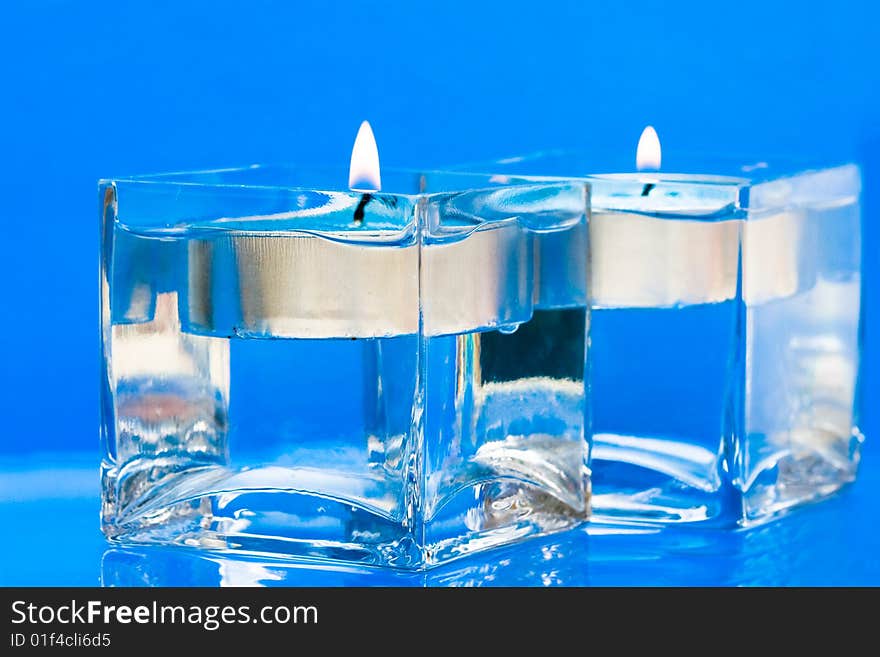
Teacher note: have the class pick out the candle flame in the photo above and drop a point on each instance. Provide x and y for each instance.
(363, 175)
(648, 151)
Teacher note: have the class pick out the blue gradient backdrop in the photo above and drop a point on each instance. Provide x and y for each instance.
(91, 89)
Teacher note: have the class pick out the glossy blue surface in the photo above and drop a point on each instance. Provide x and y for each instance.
(92, 90)
(52, 539)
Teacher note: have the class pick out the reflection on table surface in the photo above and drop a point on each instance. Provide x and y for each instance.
(50, 537)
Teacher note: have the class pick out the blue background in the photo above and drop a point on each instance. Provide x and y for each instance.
(92, 89)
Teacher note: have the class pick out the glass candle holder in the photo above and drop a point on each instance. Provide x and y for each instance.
(382, 378)
(725, 335)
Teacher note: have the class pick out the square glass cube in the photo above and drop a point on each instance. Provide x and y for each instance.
(725, 335)
(375, 378)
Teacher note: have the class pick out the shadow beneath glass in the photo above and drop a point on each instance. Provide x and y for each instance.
(548, 562)
(811, 546)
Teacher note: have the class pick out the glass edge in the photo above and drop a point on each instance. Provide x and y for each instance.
(414, 197)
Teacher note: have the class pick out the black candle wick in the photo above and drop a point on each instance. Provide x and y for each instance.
(362, 204)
